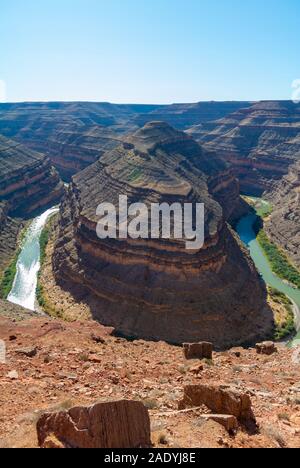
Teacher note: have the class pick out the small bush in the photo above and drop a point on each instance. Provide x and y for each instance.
(283, 417)
(151, 404)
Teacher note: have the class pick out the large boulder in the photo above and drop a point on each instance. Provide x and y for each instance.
(219, 399)
(121, 424)
(201, 350)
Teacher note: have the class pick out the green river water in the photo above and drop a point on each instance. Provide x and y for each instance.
(24, 287)
(247, 234)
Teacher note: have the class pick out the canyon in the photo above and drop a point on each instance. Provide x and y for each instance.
(28, 183)
(260, 142)
(123, 307)
(154, 289)
(74, 135)
(283, 224)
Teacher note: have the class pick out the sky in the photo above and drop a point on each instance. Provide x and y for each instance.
(149, 51)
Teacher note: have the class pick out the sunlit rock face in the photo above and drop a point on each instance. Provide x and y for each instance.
(73, 135)
(28, 181)
(28, 184)
(76, 134)
(284, 224)
(156, 289)
(261, 142)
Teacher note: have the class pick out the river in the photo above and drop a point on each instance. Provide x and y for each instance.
(24, 287)
(23, 290)
(247, 234)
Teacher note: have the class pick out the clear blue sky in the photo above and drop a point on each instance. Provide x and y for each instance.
(149, 51)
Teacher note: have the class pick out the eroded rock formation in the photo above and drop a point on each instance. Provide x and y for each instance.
(260, 142)
(73, 135)
(119, 424)
(28, 182)
(283, 226)
(76, 134)
(155, 289)
(184, 116)
(219, 399)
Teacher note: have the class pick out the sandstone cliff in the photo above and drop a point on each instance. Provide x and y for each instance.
(28, 182)
(260, 142)
(155, 289)
(184, 116)
(284, 224)
(74, 135)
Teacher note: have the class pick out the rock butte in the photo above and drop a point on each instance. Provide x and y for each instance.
(155, 289)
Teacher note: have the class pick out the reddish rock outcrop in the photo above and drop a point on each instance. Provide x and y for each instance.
(267, 348)
(220, 400)
(198, 350)
(121, 424)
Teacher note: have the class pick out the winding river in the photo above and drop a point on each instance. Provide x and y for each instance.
(247, 234)
(24, 287)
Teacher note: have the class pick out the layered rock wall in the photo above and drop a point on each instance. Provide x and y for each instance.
(155, 289)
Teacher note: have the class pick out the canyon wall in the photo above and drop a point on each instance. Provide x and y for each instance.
(260, 142)
(156, 289)
(283, 226)
(74, 135)
(28, 182)
(184, 116)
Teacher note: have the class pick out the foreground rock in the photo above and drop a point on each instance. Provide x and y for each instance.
(198, 350)
(220, 400)
(267, 348)
(29, 352)
(122, 424)
(61, 376)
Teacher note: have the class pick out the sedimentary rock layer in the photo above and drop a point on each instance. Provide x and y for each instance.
(74, 135)
(184, 116)
(283, 226)
(261, 142)
(156, 289)
(28, 182)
